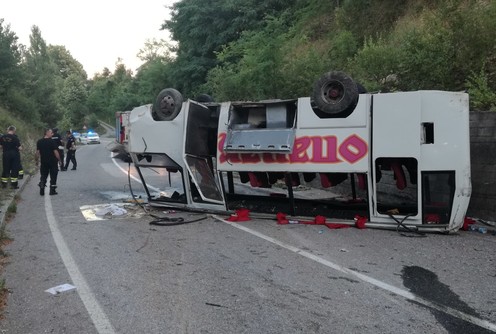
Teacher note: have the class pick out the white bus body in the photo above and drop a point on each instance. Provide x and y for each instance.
(403, 157)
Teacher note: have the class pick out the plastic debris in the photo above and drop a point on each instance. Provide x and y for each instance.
(60, 288)
(112, 209)
(482, 230)
(241, 215)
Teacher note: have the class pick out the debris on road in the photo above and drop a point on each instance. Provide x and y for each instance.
(60, 288)
(111, 211)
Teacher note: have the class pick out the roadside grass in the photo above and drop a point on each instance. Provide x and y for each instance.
(4, 241)
(28, 134)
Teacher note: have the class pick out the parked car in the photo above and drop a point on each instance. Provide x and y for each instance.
(90, 138)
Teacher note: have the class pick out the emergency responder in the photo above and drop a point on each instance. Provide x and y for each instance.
(60, 146)
(47, 153)
(10, 144)
(21, 169)
(71, 151)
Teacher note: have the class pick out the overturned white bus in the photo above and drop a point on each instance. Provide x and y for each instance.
(400, 159)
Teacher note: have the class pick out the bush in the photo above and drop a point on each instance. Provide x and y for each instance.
(375, 64)
(93, 121)
(482, 97)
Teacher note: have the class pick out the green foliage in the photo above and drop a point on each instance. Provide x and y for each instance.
(92, 121)
(435, 49)
(155, 50)
(250, 50)
(344, 46)
(10, 57)
(251, 67)
(65, 64)
(152, 77)
(4, 236)
(369, 18)
(6, 119)
(112, 92)
(482, 97)
(385, 45)
(203, 29)
(12, 208)
(473, 26)
(41, 79)
(27, 131)
(375, 64)
(301, 70)
(73, 101)
(427, 58)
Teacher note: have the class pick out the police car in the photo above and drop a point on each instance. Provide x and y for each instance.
(90, 138)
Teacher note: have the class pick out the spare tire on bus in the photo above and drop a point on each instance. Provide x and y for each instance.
(335, 92)
(168, 104)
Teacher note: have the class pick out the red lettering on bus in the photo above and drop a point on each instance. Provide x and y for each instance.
(314, 149)
(299, 153)
(330, 155)
(353, 149)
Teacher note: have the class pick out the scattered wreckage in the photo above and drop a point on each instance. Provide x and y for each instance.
(402, 159)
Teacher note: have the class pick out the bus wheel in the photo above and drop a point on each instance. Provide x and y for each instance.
(168, 104)
(335, 92)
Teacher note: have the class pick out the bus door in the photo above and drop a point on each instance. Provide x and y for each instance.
(396, 139)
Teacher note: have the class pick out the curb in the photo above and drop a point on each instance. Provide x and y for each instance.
(10, 200)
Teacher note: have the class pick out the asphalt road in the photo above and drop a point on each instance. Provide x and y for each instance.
(213, 276)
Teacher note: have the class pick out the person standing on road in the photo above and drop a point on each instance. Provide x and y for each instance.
(60, 146)
(11, 158)
(71, 151)
(48, 153)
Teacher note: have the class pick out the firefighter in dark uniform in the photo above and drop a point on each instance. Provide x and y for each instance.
(47, 153)
(60, 146)
(21, 169)
(11, 157)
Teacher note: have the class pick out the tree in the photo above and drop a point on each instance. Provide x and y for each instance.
(155, 73)
(152, 77)
(155, 50)
(10, 58)
(41, 84)
(112, 92)
(202, 28)
(65, 63)
(73, 101)
(251, 67)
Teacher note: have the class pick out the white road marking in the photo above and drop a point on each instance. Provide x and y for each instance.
(385, 286)
(133, 177)
(97, 315)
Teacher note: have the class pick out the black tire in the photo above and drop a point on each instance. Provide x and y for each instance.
(361, 89)
(168, 104)
(204, 98)
(335, 92)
